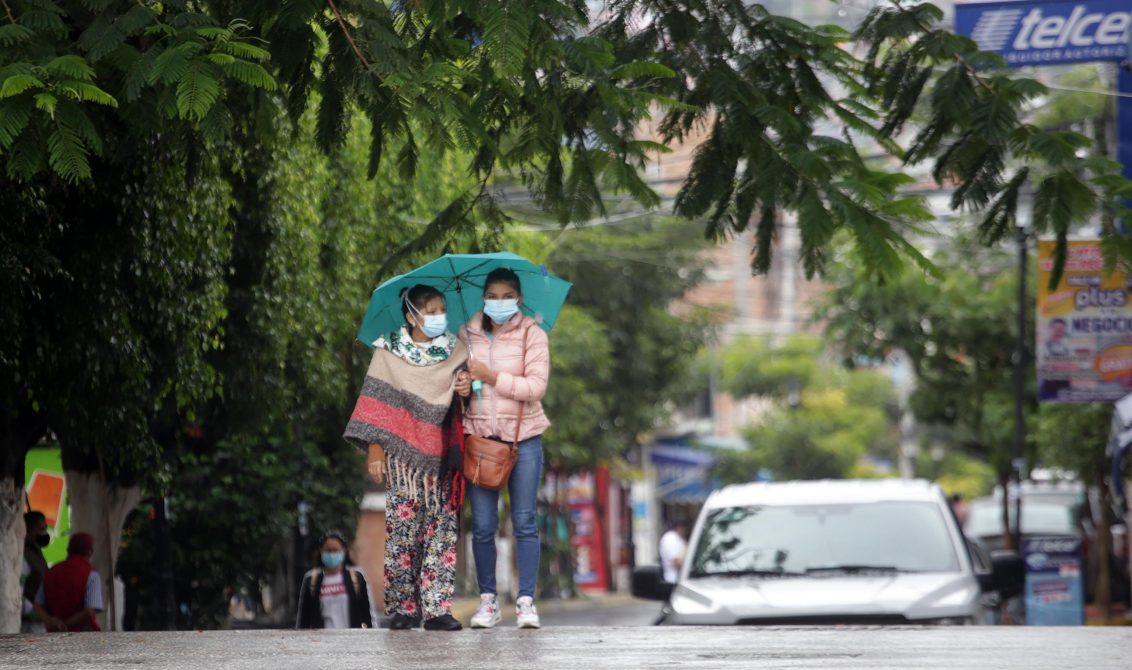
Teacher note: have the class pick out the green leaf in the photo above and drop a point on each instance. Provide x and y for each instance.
(46, 102)
(244, 50)
(14, 33)
(172, 64)
(85, 92)
(19, 83)
(506, 34)
(252, 74)
(197, 91)
(66, 153)
(70, 67)
(14, 117)
(642, 69)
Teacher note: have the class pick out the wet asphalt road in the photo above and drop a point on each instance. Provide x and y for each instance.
(583, 648)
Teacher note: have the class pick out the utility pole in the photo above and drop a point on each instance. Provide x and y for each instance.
(1018, 463)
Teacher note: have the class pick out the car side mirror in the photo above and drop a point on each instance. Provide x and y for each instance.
(648, 583)
(1007, 576)
(980, 559)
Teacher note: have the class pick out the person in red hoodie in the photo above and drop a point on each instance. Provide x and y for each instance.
(71, 596)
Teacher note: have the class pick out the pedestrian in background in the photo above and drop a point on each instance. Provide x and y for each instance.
(334, 593)
(71, 595)
(673, 548)
(510, 356)
(407, 420)
(34, 569)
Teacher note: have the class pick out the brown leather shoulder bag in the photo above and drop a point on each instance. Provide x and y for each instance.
(487, 462)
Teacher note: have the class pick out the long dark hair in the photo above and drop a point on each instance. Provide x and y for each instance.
(316, 558)
(500, 276)
(419, 296)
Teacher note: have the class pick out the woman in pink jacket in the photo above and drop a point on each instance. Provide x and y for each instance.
(510, 355)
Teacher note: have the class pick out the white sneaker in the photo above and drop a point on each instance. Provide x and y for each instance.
(487, 614)
(526, 616)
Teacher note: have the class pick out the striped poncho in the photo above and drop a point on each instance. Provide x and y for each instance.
(409, 410)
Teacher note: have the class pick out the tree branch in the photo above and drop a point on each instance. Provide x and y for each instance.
(346, 32)
(8, 11)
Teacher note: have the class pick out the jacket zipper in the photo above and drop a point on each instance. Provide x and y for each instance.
(491, 364)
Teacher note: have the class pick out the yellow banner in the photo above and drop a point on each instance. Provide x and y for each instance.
(1084, 328)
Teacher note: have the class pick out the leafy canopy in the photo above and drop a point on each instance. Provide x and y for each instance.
(555, 97)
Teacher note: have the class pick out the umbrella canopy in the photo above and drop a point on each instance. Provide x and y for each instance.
(460, 277)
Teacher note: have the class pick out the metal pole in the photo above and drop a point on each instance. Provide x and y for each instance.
(1018, 461)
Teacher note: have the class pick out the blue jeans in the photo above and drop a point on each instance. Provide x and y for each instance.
(523, 486)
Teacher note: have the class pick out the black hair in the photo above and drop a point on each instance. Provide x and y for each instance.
(500, 276)
(1058, 320)
(331, 535)
(419, 296)
(33, 517)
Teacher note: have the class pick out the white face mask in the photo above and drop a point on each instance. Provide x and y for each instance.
(500, 311)
(432, 325)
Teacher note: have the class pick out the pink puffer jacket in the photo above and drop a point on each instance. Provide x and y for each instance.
(521, 378)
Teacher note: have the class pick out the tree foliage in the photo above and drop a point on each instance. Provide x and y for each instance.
(625, 277)
(541, 92)
(820, 420)
(957, 332)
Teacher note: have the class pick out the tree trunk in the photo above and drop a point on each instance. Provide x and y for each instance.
(21, 426)
(11, 553)
(100, 510)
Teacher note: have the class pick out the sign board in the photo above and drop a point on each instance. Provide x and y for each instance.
(47, 492)
(586, 537)
(1084, 328)
(1055, 594)
(1042, 33)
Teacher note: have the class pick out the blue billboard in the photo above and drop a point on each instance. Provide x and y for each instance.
(1041, 33)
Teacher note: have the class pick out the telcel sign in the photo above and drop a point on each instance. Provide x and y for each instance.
(1048, 32)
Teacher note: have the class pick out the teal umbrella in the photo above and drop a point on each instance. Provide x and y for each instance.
(460, 278)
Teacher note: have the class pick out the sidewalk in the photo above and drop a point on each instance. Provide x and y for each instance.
(464, 608)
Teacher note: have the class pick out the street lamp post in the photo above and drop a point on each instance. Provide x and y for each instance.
(1018, 462)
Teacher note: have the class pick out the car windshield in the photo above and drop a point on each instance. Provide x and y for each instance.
(804, 539)
(985, 520)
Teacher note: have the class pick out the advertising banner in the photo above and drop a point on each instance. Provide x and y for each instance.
(1055, 594)
(47, 493)
(1084, 328)
(586, 539)
(1036, 32)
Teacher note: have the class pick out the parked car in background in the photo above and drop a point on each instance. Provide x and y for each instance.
(830, 552)
(1052, 509)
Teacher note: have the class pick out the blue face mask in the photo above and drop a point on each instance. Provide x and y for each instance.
(500, 311)
(432, 325)
(333, 559)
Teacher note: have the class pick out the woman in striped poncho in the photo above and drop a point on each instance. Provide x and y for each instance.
(407, 422)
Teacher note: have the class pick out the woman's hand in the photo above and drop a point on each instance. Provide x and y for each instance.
(375, 462)
(463, 384)
(481, 372)
(377, 471)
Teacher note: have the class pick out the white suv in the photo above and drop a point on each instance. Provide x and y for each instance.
(829, 552)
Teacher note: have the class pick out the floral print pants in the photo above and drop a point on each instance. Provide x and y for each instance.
(420, 556)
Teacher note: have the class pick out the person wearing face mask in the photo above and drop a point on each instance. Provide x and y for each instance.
(34, 568)
(510, 360)
(407, 421)
(334, 594)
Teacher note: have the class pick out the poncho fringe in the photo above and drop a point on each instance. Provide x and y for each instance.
(409, 411)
